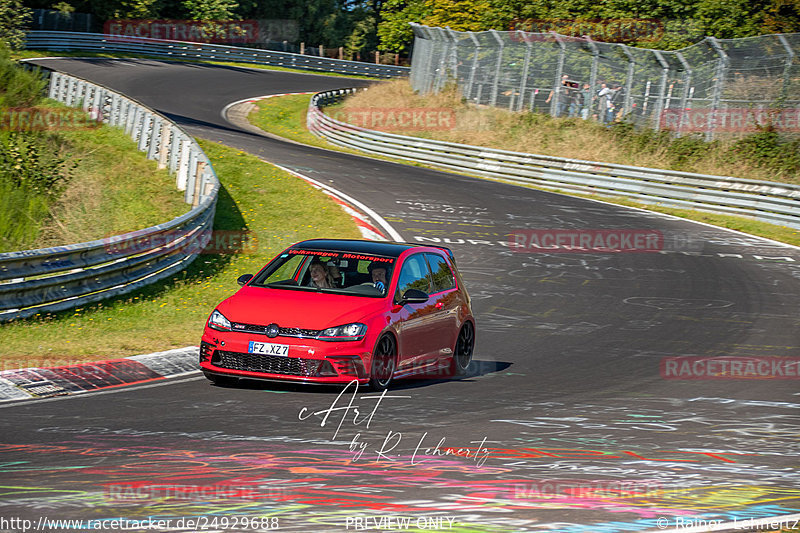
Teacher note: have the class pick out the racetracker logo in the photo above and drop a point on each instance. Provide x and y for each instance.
(730, 120)
(587, 488)
(401, 118)
(132, 492)
(48, 119)
(605, 30)
(586, 240)
(218, 242)
(754, 368)
(216, 31)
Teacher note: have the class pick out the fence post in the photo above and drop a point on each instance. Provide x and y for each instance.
(595, 61)
(559, 71)
(525, 68)
(628, 105)
(55, 79)
(687, 81)
(144, 131)
(183, 165)
(155, 142)
(720, 72)
(474, 68)
(787, 68)
(660, 104)
(164, 144)
(441, 78)
(453, 60)
(496, 83)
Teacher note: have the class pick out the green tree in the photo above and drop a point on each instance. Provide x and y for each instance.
(14, 18)
(210, 9)
(394, 31)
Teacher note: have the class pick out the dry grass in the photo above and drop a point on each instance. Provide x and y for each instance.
(541, 134)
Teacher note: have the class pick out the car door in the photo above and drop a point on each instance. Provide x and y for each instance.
(416, 322)
(446, 303)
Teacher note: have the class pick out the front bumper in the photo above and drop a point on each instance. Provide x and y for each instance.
(308, 360)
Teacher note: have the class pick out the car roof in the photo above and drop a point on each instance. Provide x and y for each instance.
(389, 249)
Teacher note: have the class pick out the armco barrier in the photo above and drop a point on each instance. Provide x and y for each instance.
(777, 203)
(62, 277)
(97, 42)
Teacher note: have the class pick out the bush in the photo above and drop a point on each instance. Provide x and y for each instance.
(18, 87)
(31, 179)
(767, 149)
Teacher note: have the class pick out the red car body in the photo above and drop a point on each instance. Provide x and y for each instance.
(280, 326)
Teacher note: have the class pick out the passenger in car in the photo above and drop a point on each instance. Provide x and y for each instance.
(336, 275)
(320, 277)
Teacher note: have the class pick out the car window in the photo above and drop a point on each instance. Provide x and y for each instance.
(286, 272)
(345, 272)
(441, 274)
(414, 275)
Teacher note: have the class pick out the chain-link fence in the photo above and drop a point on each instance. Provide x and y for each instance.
(715, 87)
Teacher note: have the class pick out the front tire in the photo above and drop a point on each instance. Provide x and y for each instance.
(383, 363)
(462, 355)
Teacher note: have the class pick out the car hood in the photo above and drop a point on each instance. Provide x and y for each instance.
(297, 308)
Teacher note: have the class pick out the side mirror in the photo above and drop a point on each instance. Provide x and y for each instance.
(414, 296)
(244, 278)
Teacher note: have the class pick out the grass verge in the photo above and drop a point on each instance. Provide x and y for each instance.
(277, 207)
(286, 116)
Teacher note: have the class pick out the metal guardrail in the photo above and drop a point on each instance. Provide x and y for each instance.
(63, 277)
(98, 42)
(776, 203)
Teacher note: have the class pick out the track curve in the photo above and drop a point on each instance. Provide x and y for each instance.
(581, 431)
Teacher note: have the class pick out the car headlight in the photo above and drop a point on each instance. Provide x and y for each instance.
(347, 332)
(218, 321)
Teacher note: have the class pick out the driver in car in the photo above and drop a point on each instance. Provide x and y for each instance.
(379, 275)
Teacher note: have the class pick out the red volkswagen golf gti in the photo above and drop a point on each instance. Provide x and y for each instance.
(334, 311)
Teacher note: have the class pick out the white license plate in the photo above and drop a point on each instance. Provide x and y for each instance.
(267, 348)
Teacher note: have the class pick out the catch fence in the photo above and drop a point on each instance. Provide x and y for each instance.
(715, 87)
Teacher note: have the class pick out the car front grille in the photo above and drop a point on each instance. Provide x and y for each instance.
(273, 364)
(282, 332)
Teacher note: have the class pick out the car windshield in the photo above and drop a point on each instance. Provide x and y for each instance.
(338, 272)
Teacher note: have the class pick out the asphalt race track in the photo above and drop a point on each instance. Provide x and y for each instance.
(569, 422)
